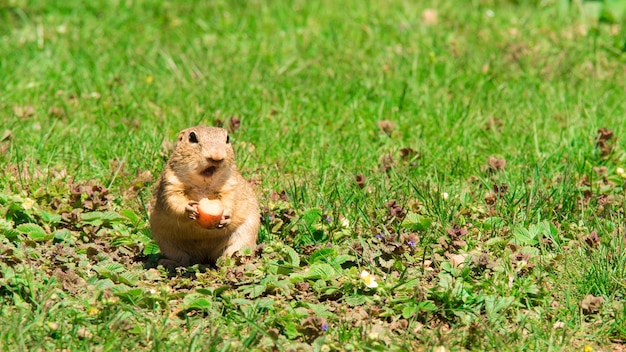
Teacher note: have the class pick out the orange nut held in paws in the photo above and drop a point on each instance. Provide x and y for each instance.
(209, 212)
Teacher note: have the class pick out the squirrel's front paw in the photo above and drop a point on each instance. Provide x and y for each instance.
(191, 210)
(225, 221)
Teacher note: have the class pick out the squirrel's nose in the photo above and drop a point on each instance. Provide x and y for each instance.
(216, 158)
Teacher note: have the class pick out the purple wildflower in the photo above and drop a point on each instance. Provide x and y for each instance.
(324, 326)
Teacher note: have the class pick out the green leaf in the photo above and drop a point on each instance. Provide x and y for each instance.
(493, 223)
(98, 218)
(128, 278)
(427, 306)
(103, 284)
(213, 291)
(5, 224)
(613, 11)
(283, 269)
(114, 267)
(446, 281)
(322, 255)
(416, 222)
(6, 229)
(320, 271)
(4, 198)
(409, 310)
(342, 258)
(205, 291)
(11, 234)
(310, 217)
(63, 235)
(495, 241)
(534, 233)
(196, 302)
(117, 273)
(34, 232)
(409, 284)
(290, 329)
(151, 248)
(241, 301)
(592, 9)
(319, 310)
(132, 296)
(265, 303)
(255, 291)
(494, 305)
(220, 290)
(130, 216)
(353, 301)
(524, 236)
(49, 218)
(291, 256)
(533, 251)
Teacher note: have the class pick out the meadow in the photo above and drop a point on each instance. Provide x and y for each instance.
(433, 175)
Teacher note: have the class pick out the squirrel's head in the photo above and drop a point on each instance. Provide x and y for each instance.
(202, 153)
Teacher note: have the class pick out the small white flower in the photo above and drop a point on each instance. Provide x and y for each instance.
(345, 223)
(28, 204)
(445, 195)
(368, 279)
(620, 172)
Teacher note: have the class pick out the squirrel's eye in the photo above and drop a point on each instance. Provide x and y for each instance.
(227, 139)
(193, 138)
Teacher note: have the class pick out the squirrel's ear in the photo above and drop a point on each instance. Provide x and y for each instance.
(180, 136)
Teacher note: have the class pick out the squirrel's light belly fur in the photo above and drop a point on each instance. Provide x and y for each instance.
(202, 166)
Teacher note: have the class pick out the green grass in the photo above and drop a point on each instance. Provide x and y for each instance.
(91, 90)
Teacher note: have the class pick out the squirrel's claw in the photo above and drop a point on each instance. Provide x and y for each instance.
(225, 221)
(191, 210)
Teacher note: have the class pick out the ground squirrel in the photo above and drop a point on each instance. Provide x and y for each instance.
(202, 165)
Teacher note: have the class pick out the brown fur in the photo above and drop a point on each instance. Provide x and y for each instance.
(182, 184)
